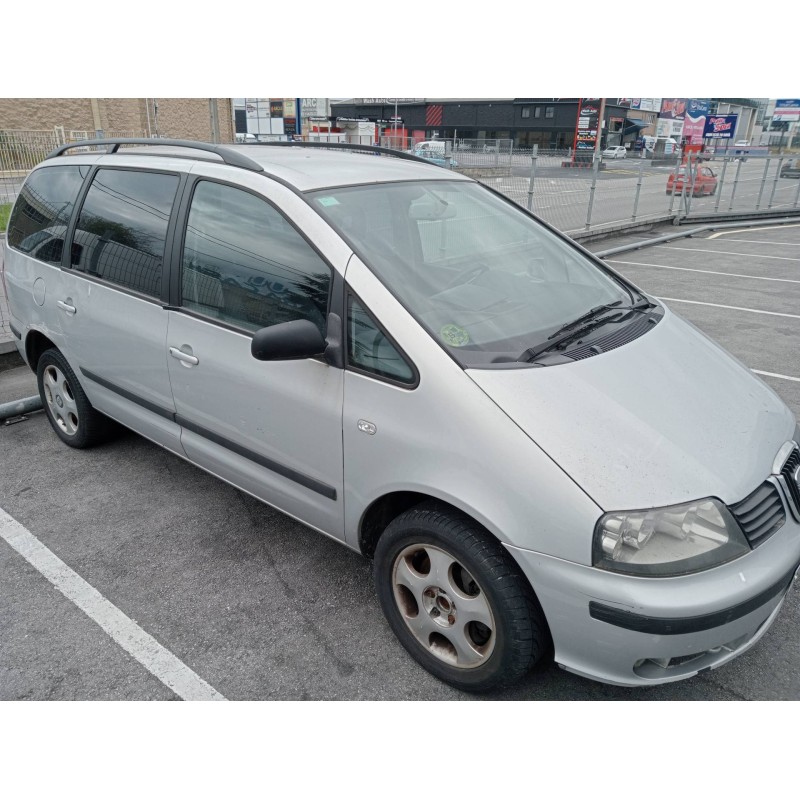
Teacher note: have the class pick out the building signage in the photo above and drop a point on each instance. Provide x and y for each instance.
(673, 108)
(260, 119)
(366, 101)
(586, 126)
(646, 103)
(720, 127)
(695, 122)
(786, 111)
(276, 107)
(257, 107)
(314, 107)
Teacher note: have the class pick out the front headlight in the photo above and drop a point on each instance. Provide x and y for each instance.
(668, 541)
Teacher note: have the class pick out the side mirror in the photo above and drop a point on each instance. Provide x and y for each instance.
(297, 339)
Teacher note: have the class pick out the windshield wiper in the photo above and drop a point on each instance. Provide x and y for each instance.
(592, 312)
(587, 322)
(552, 344)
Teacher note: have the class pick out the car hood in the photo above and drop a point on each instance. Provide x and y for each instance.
(664, 419)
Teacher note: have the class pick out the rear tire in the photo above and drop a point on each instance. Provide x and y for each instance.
(71, 414)
(457, 601)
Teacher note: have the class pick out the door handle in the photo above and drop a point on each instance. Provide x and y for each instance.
(184, 357)
(67, 307)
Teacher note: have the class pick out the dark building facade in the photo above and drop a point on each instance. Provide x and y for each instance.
(547, 122)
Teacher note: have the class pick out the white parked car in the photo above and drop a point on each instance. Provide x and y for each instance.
(617, 151)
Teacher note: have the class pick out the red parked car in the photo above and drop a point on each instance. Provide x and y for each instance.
(702, 180)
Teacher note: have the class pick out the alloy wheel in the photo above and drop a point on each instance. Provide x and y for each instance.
(443, 606)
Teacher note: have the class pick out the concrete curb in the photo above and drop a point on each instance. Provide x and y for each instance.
(689, 233)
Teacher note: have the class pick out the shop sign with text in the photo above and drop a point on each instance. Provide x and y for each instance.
(720, 127)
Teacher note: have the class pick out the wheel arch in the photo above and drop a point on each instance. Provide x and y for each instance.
(384, 509)
(35, 344)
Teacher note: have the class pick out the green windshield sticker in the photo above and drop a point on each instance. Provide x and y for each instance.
(328, 201)
(454, 335)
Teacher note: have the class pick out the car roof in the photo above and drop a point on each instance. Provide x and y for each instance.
(304, 168)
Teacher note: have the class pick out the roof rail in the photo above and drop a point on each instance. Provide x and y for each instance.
(366, 148)
(230, 157)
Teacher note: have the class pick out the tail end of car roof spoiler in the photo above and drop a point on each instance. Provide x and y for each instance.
(228, 156)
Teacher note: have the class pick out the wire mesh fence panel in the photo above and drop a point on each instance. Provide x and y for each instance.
(754, 183)
(20, 152)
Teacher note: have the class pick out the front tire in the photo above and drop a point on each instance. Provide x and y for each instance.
(71, 414)
(457, 601)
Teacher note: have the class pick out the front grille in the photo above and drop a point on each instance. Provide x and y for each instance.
(760, 514)
(787, 473)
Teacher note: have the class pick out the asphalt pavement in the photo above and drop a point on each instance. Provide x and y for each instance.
(258, 606)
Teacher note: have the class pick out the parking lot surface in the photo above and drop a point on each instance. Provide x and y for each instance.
(256, 605)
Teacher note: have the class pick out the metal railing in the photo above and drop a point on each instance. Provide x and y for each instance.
(22, 150)
(600, 195)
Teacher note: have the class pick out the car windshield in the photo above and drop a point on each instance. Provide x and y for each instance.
(485, 279)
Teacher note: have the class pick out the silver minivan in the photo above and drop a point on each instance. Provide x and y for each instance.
(539, 457)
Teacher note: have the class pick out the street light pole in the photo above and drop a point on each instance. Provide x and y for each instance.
(600, 121)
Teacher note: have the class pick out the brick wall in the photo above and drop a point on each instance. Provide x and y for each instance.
(45, 113)
(190, 118)
(128, 115)
(179, 118)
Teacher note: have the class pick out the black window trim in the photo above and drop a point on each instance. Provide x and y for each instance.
(175, 298)
(166, 264)
(350, 295)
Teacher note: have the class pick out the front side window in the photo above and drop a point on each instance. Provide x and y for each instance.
(549, 112)
(370, 350)
(41, 214)
(122, 229)
(483, 277)
(245, 264)
(526, 112)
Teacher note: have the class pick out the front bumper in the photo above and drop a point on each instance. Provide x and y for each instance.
(633, 631)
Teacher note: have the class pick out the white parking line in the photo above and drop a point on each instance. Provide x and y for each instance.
(733, 308)
(172, 672)
(747, 230)
(775, 375)
(761, 241)
(706, 271)
(728, 253)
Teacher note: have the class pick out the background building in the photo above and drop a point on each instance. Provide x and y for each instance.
(206, 119)
(548, 122)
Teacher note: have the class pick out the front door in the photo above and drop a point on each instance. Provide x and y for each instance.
(272, 428)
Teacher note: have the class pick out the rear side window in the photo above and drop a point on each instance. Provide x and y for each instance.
(245, 264)
(39, 220)
(122, 228)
